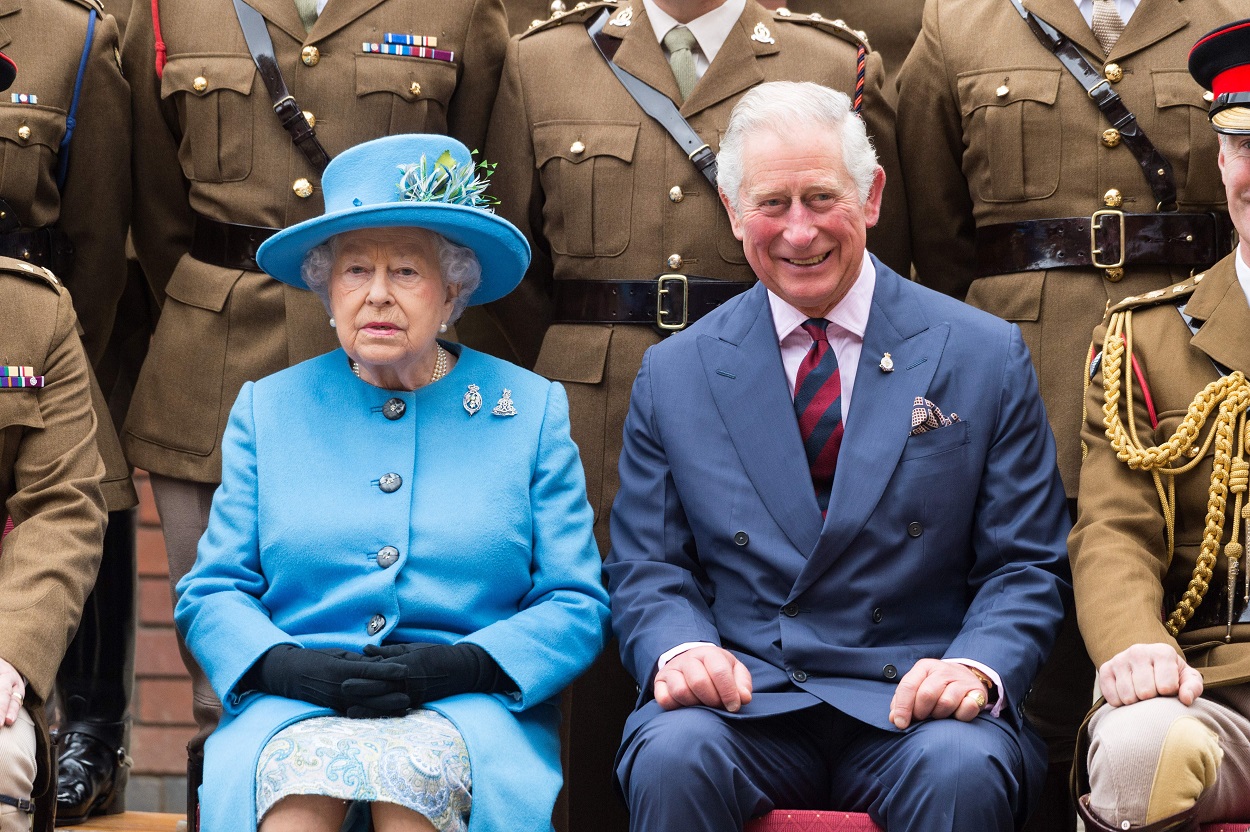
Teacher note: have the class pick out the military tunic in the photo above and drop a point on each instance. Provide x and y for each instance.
(50, 472)
(212, 146)
(993, 129)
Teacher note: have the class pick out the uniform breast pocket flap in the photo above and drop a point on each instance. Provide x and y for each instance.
(30, 136)
(587, 176)
(1012, 132)
(936, 441)
(19, 407)
(214, 92)
(409, 94)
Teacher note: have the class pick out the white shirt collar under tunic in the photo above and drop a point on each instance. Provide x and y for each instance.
(710, 29)
(1243, 269)
(1124, 7)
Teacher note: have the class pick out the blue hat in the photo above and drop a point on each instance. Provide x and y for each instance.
(416, 181)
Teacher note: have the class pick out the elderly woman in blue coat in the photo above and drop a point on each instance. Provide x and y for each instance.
(398, 575)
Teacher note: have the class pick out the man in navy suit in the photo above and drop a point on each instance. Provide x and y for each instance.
(832, 603)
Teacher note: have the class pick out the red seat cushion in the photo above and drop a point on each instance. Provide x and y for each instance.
(800, 820)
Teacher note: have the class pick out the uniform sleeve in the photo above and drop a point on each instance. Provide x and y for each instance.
(95, 203)
(930, 149)
(162, 217)
(562, 625)
(890, 239)
(1119, 532)
(51, 556)
(657, 602)
(219, 610)
(470, 106)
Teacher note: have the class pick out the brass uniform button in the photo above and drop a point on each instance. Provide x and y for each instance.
(675, 261)
(23, 132)
(1111, 137)
(1208, 96)
(1113, 73)
(199, 84)
(1113, 198)
(1115, 275)
(577, 148)
(310, 55)
(415, 89)
(302, 187)
(1002, 91)
(310, 118)
(676, 194)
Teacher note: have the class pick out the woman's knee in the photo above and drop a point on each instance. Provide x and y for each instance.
(305, 813)
(391, 817)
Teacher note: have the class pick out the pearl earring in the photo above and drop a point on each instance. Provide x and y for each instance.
(442, 327)
(332, 324)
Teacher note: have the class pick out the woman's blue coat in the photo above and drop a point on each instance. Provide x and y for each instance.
(495, 547)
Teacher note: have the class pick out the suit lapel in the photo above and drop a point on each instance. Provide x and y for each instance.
(1153, 21)
(748, 384)
(1066, 17)
(1220, 304)
(735, 68)
(339, 14)
(880, 418)
(283, 15)
(640, 54)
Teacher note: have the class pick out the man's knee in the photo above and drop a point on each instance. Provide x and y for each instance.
(670, 750)
(1150, 760)
(17, 771)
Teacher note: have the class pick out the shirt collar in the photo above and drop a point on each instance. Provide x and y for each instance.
(1243, 269)
(710, 29)
(850, 314)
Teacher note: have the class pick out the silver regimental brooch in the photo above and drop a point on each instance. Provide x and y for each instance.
(505, 406)
(473, 399)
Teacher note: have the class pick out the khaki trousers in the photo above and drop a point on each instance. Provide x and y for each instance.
(17, 770)
(183, 507)
(1156, 758)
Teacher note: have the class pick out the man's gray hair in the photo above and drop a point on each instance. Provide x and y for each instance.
(795, 108)
(459, 266)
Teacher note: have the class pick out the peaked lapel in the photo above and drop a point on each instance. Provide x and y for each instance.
(1066, 17)
(281, 14)
(1153, 21)
(880, 418)
(1220, 304)
(640, 54)
(339, 14)
(735, 68)
(748, 383)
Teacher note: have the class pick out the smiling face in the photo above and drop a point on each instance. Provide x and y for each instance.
(799, 217)
(388, 300)
(1235, 170)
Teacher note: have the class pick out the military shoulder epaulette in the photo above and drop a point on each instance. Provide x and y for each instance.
(10, 265)
(580, 13)
(1171, 294)
(94, 5)
(857, 37)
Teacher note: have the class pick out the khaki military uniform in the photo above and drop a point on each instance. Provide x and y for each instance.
(891, 25)
(523, 13)
(50, 472)
(212, 146)
(993, 129)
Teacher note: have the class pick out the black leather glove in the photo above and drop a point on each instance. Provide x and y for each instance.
(318, 676)
(436, 671)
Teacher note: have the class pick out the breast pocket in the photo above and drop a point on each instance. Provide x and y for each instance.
(1185, 138)
(587, 175)
(213, 94)
(1012, 132)
(410, 95)
(936, 446)
(30, 137)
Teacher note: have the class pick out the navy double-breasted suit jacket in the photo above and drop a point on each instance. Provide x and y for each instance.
(945, 544)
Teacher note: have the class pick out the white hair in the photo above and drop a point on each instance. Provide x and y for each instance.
(458, 265)
(795, 108)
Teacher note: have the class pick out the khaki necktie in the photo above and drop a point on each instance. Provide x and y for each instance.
(1108, 25)
(307, 13)
(680, 44)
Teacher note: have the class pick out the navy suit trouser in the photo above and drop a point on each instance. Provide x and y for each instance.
(697, 770)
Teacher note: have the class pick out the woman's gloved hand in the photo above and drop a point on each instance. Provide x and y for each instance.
(320, 676)
(435, 671)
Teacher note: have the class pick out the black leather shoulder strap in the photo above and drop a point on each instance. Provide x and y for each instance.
(289, 113)
(653, 102)
(1158, 170)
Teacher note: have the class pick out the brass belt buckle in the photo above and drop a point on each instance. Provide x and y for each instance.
(1095, 225)
(662, 289)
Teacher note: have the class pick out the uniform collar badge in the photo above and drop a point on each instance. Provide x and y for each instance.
(762, 35)
(623, 18)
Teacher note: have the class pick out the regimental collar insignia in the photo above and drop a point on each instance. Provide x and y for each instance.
(762, 35)
(623, 18)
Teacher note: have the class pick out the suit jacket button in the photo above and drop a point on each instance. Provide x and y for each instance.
(394, 409)
(390, 483)
(376, 624)
(791, 610)
(742, 538)
(877, 616)
(914, 529)
(387, 556)
(799, 676)
(889, 671)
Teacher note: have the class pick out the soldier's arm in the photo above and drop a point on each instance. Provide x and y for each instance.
(930, 147)
(486, 40)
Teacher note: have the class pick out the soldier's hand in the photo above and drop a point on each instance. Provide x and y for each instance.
(1145, 671)
(934, 689)
(705, 675)
(12, 692)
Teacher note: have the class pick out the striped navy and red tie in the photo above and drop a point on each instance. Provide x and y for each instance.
(818, 404)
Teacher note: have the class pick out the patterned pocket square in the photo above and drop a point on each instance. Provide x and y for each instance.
(926, 416)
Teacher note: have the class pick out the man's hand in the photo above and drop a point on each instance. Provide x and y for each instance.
(934, 689)
(1145, 671)
(705, 675)
(12, 692)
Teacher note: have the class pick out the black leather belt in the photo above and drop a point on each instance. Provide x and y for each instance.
(227, 244)
(1108, 239)
(47, 247)
(669, 302)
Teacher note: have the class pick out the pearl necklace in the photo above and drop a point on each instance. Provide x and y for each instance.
(440, 364)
